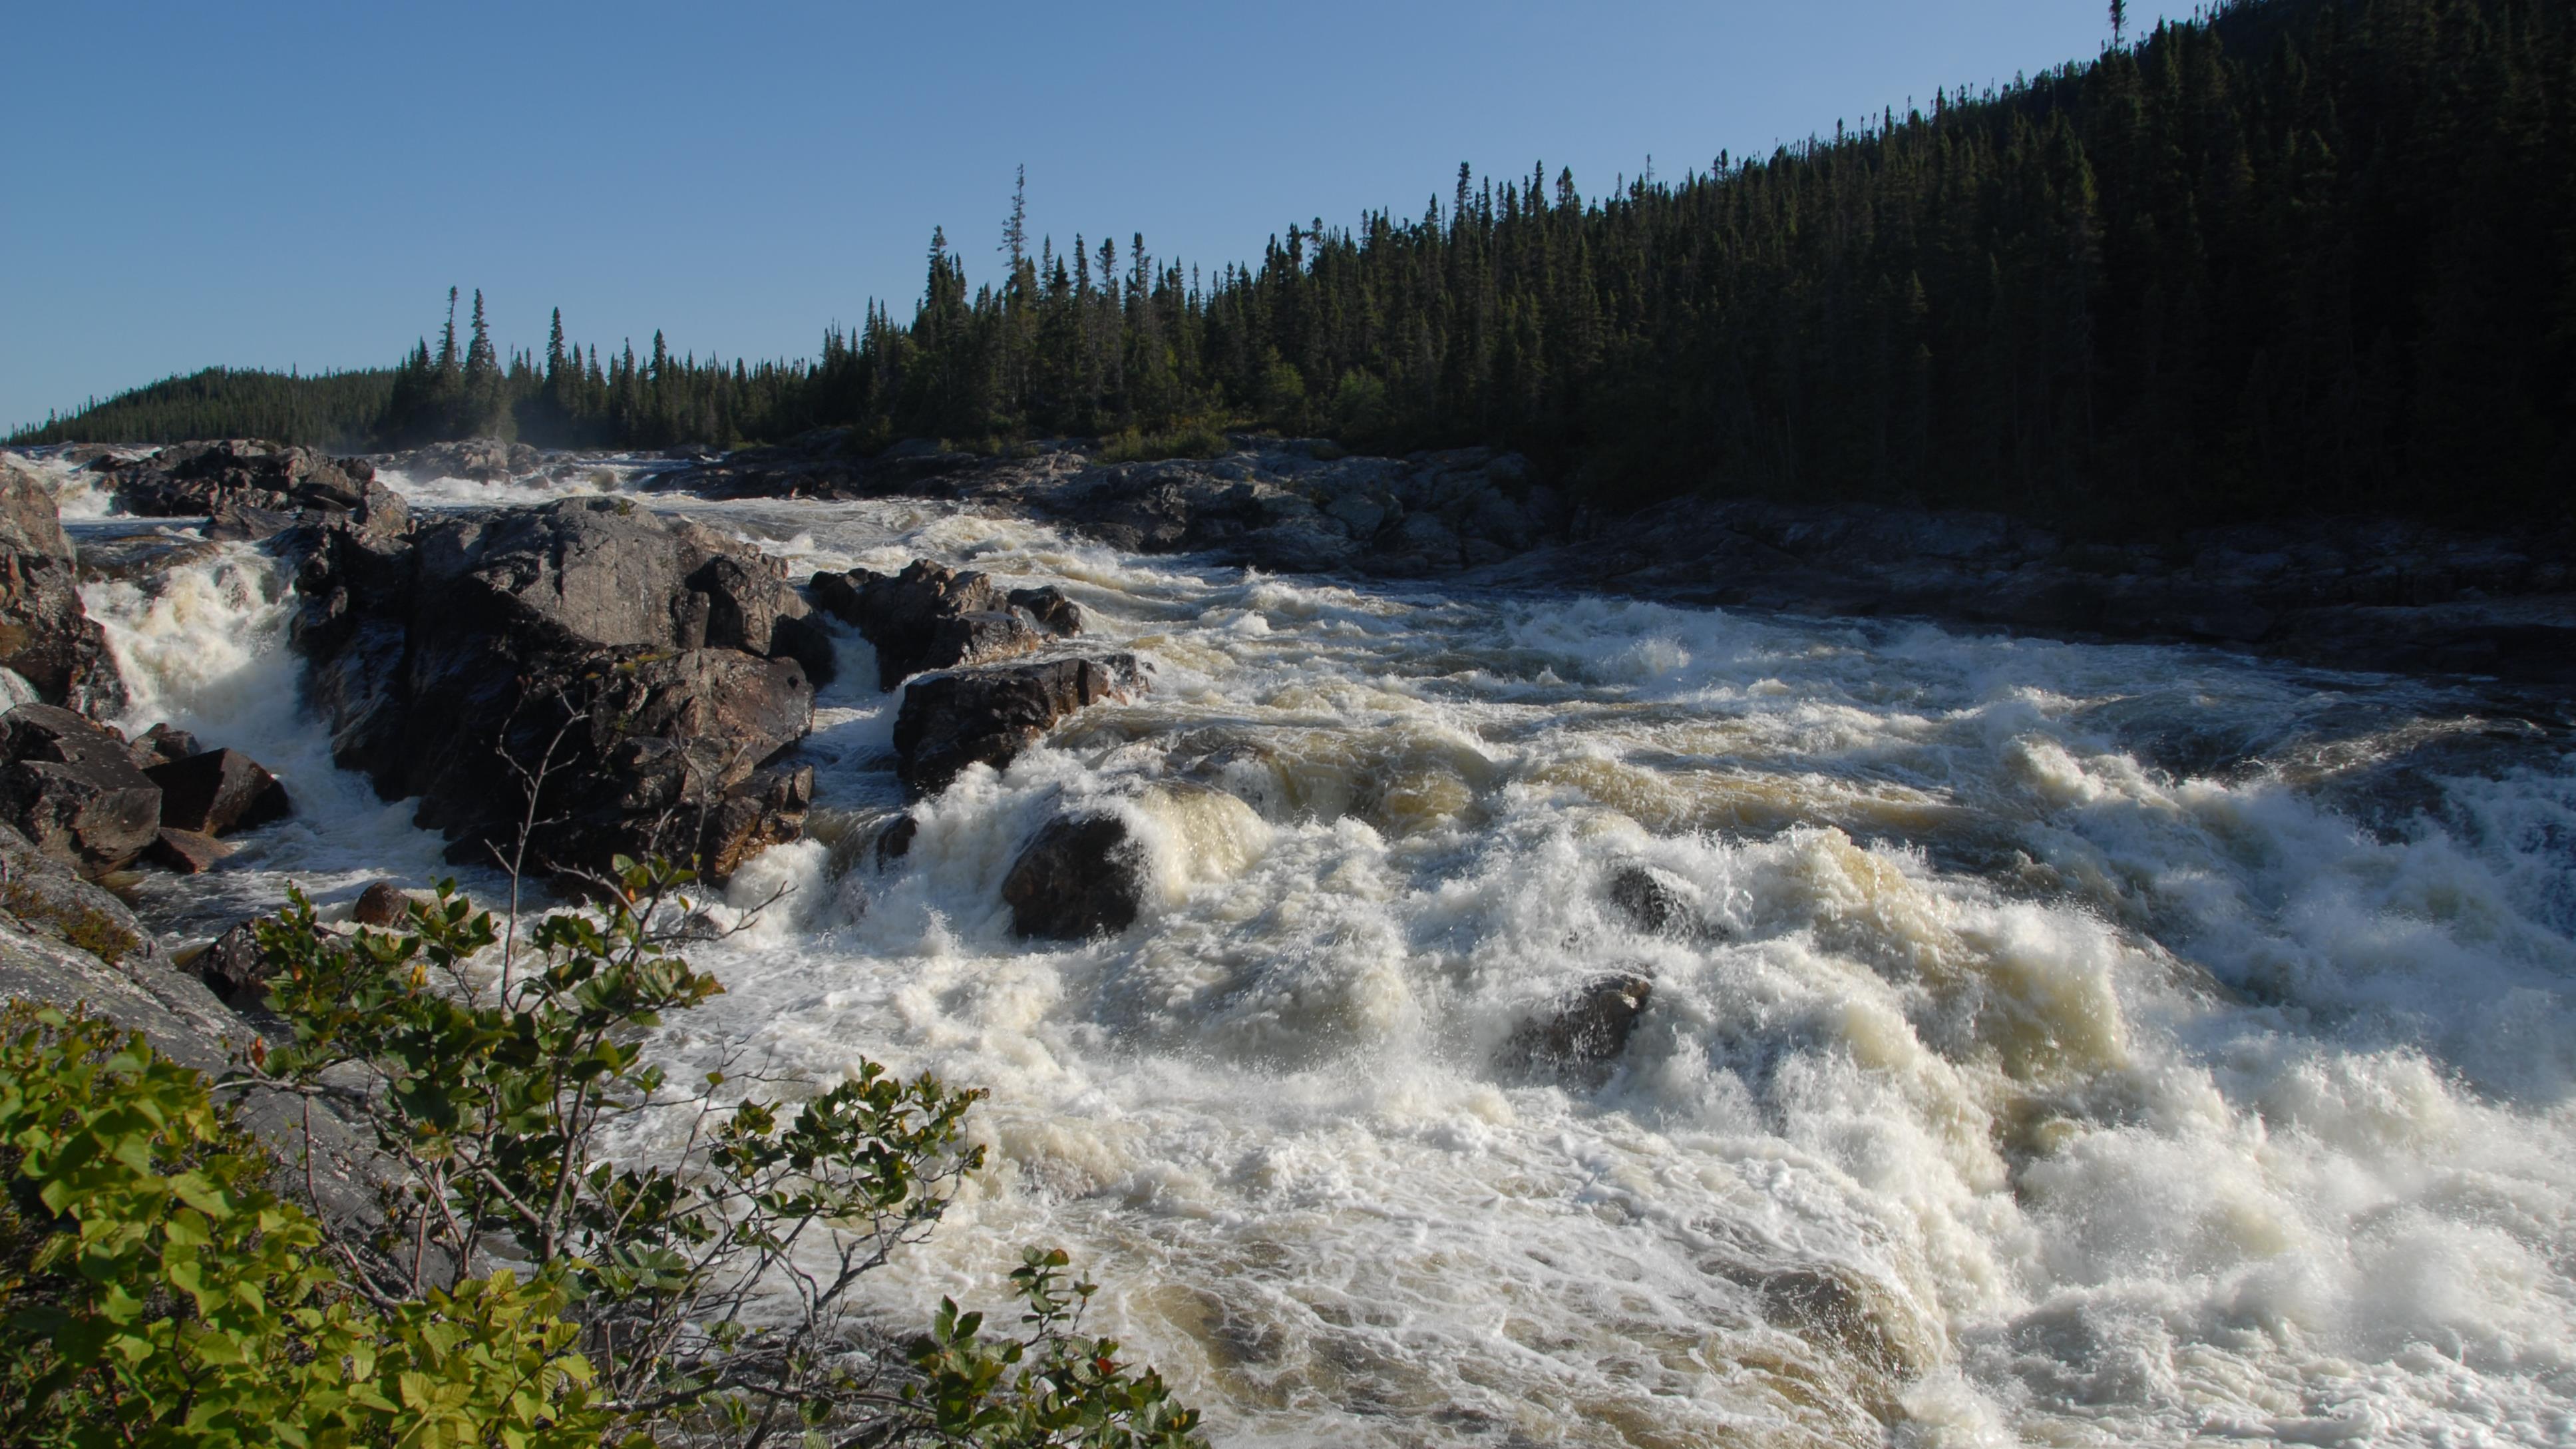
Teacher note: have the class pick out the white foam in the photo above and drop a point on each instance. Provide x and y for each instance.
(2011, 1082)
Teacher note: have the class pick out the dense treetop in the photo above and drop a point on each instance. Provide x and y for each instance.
(2294, 255)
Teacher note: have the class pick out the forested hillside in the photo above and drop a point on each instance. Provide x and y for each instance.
(2298, 255)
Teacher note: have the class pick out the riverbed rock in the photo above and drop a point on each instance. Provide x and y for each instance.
(233, 967)
(616, 655)
(1080, 876)
(162, 745)
(216, 792)
(988, 715)
(1579, 1036)
(479, 460)
(46, 636)
(1651, 902)
(252, 489)
(72, 789)
(930, 617)
(382, 904)
(185, 852)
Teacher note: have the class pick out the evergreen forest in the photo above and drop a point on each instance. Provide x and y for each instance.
(2290, 256)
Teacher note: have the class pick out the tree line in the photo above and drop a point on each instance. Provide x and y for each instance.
(2290, 255)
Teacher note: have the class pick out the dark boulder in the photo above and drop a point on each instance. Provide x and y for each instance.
(233, 967)
(217, 792)
(1650, 903)
(478, 460)
(928, 617)
(252, 489)
(46, 637)
(72, 789)
(1579, 1036)
(895, 841)
(381, 904)
(1080, 876)
(162, 745)
(621, 663)
(1050, 609)
(990, 714)
(186, 852)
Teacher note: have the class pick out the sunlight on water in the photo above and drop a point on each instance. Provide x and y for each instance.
(2048, 1042)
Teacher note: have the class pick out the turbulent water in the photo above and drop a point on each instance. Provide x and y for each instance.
(2074, 1044)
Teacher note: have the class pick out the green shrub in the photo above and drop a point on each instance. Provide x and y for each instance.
(154, 1290)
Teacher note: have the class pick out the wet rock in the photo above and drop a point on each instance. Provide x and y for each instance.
(252, 489)
(767, 809)
(162, 745)
(46, 637)
(217, 792)
(895, 841)
(1078, 877)
(72, 789)
(1055, 613)
(187, 852)
(382, 904)
(928, 617)
(1650, 903)
(1580, 1035)
(1837, 1309)
(478, 460)
(989, 715)
(588, 647)
(140, 558)
(233, 968)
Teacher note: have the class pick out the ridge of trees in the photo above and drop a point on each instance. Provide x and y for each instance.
(2289, 256)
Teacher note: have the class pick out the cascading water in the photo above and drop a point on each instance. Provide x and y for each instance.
(2057, 1043)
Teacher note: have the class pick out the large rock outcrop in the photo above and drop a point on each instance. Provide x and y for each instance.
(931, 617)
(251, 489)
(988, 715)
(642, 675)
(46, 637)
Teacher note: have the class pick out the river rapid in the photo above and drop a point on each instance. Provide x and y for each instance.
(2062, 1043)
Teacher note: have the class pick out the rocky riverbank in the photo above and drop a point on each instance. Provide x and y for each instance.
(2357, 593)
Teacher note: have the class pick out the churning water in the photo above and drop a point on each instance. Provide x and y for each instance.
(2062, 1044)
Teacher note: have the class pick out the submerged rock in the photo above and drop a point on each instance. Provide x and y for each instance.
(1580, 1035)
(46, 637)
(1649, 902)
(1078, 877)
(72, 789)
(989, 715)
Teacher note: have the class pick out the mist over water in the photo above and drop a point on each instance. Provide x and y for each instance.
(2062, 1043)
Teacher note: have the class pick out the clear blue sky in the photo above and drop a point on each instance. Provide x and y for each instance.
(275, 184)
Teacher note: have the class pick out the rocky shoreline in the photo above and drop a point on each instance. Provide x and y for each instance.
(2354, 593)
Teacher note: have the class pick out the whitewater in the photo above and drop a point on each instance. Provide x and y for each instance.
(2064, 1043)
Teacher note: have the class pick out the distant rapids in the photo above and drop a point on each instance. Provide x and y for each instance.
(2068, 1044)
